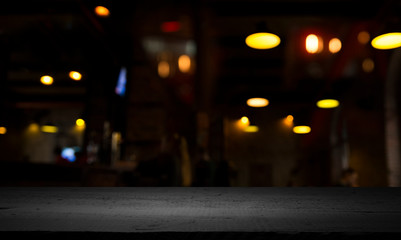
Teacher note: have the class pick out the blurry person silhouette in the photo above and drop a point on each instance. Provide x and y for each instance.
(349, 178)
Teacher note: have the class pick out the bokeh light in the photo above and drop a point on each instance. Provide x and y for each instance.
(74, 75)
(46, 80)
(3, 130)
(80, 122)
(387, 41)
(335, 45)
(102, 11)
(184, 63)
(313, 44)
(368, 65)
(301, 129)
(251, 129)
(363, 37)
(328, 103)
(257, 102)
(163, 69)
(262, 40)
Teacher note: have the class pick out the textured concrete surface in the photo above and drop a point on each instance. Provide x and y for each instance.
(152, 210)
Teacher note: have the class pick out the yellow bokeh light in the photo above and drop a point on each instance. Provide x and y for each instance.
(301, 129)
(328, 103)
(257, 102)
(49, 129)
(102, 11)
(251, 129)
(262, 40)
(335, 45)
(368, 65)
(313, 44)
(245, 120)
(184, 63)
(163, 69)
(3, 130)
(74, 75)
(387, 41)
(46, 80)
(80, 122)
(363, 37)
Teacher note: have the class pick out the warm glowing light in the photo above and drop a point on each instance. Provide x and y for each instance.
(301, 129)
(363, 37)
(262, 40)
(387, 41)
(184, 63)
(313, 44)
(49, 129)
(334, 45)
(46, 80)
(3, 130)
(257, 102)
(289, 121)
(102, 11)
(75, 75)
(163, 69)
(368, 65)
(245, 120)
(80, 122)
(172, 26)
(251, 129)
(33, 128)
(328, 103)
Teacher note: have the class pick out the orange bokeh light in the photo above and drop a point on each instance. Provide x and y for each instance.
(102, 11)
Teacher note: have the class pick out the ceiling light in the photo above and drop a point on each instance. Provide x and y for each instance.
(328, 103)
(387, 41)
(46, 80)
(74, 75)
(334, 45)
(102, 11)
(301, 129)
(262, 40)
(257, 102)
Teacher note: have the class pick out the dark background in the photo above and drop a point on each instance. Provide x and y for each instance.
(182, 130)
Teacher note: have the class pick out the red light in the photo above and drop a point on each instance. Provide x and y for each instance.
(172, 26)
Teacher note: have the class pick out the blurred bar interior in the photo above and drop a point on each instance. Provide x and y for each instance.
(200, 93)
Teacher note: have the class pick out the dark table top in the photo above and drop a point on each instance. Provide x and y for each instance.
(128, 210)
